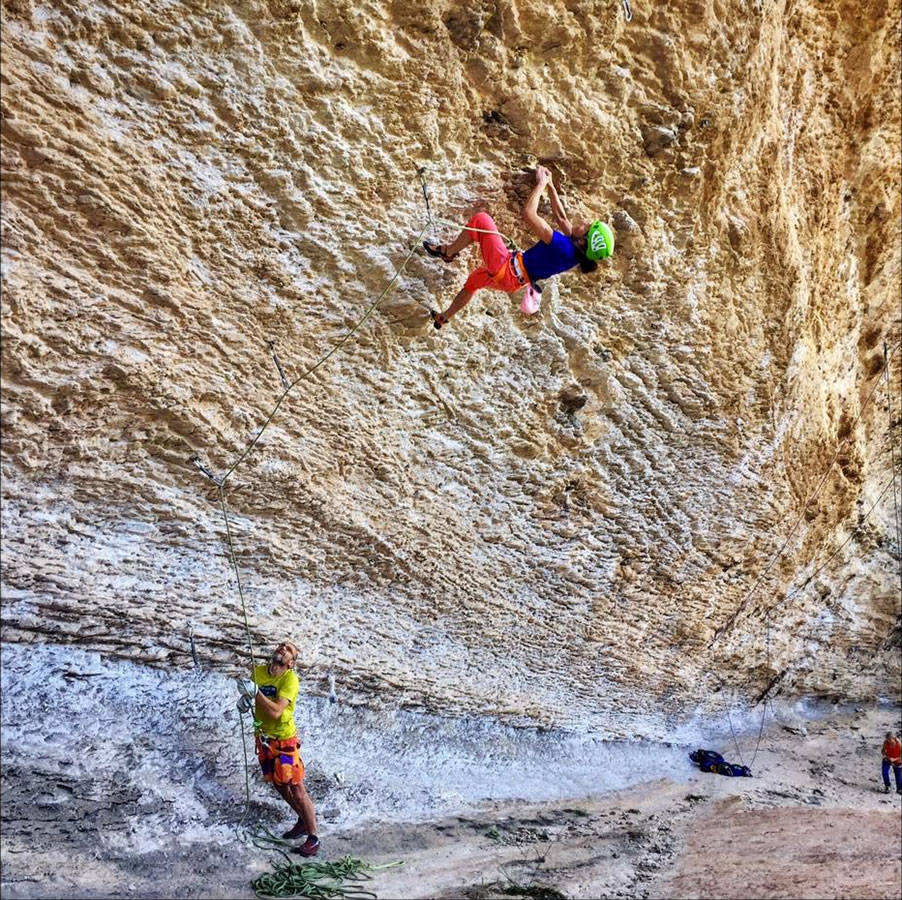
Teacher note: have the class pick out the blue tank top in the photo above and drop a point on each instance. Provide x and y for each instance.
(544, 260)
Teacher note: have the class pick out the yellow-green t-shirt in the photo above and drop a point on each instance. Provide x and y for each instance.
(273, 687)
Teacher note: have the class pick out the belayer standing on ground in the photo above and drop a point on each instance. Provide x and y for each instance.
(273, 694)
(580, 244)
(892, 756)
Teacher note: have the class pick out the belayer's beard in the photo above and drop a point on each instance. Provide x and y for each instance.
(278, 659)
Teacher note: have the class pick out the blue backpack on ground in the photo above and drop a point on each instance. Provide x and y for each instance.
(712, 761)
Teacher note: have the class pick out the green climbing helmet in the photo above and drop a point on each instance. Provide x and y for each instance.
(599, 241)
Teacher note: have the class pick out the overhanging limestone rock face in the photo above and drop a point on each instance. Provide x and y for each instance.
(541, 519)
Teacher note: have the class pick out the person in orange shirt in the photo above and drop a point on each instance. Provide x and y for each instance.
(892, 756)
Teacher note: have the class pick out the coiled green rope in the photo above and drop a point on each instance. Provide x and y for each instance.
(318, 880)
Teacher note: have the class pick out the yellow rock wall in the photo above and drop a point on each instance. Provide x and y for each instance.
(595, 510)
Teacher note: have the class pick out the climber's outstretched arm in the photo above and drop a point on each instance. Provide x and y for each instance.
(537, 225)
(557, 209)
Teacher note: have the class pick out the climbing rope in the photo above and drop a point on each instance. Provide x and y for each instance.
(897, 517)
(767, 626)
(827, 561)
(247, 778)
(250, 641)
(511, 243)
(731, 620)
(290, 878)
(324, 359)
(319, 880)
(769, 609)
(220, 481)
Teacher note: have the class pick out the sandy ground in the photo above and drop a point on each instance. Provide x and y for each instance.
(813, 822)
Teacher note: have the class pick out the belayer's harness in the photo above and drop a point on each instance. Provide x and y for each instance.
(272, 743)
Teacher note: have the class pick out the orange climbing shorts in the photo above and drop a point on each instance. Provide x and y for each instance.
(280, 760)
(500, 269)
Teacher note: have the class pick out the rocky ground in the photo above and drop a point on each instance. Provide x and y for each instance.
(813, 822)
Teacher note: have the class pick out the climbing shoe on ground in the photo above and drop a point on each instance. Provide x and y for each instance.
(310, 847)
(295, 832)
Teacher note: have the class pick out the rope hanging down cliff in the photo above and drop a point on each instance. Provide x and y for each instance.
(732, 618)
(863, 518)
(288, 386)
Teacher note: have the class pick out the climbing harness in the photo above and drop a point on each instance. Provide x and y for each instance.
(519, 269)
(515, 266)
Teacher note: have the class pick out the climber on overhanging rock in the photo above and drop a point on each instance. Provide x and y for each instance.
(581, 244)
